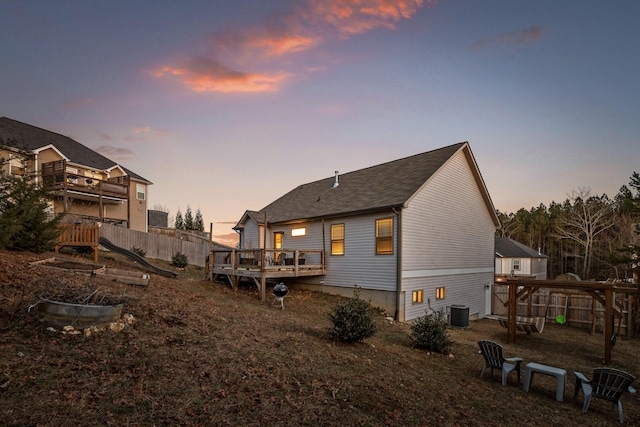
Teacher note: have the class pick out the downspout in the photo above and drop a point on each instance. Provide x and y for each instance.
(398, 265)
(35, 162)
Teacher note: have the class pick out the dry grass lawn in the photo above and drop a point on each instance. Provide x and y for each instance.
(201, 354)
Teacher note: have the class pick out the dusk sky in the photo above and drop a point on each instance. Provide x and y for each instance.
(227, 105)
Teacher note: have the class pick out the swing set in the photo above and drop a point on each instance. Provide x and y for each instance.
(523, 289)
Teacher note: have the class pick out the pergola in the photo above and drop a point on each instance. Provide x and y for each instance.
(521, 288)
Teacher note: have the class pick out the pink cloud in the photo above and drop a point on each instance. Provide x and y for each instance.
(260, 49)
(207, 75)
(514, 39)
(351, 17)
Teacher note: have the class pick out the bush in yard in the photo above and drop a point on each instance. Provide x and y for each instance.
(138, 251)
(430, 332)
(179, 260)
(352, 320)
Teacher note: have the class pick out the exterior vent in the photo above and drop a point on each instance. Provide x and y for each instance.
(459, 316)
(335, 183)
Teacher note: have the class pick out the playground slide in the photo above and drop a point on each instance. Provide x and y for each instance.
(137, 258)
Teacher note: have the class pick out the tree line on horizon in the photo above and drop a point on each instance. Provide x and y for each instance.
(189, 222)
(595, 237)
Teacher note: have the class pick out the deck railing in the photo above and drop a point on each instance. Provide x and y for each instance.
(267, 260)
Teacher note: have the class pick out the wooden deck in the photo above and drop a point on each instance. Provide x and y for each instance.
(263, 264)
(58, 180)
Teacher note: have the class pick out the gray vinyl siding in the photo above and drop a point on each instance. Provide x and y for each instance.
(539, 268)
(250, 235)
(360, 265)
(311, 240)
(536, 267)
(448, 240)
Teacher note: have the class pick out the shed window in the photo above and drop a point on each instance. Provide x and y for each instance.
(417, 296)
(337, 239)
(384, 236)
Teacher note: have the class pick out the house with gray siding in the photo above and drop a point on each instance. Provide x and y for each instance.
(515, 259)
(414, 234)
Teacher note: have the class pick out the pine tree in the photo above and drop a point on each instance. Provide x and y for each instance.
(188, 219)
(24, 220)
(179, 223)
(198, 224)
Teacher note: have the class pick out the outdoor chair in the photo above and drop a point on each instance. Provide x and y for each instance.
(608, 384)
(492, 353)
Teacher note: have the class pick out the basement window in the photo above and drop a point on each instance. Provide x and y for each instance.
(417, 296)
(298, 232)
(440, 293)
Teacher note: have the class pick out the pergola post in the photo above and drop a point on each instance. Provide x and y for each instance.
(512, 313)
(608, 324)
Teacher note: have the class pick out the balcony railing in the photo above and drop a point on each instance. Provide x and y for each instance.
(55, 177)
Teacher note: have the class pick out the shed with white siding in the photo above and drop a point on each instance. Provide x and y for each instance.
(518, 260)
(413, 234)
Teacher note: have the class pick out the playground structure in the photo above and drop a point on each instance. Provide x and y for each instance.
(604, 293)
(81, 235)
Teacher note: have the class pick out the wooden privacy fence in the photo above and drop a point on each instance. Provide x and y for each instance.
(578, 309)
(156, 246)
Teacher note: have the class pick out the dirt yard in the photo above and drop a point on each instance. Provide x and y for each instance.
(200, 354)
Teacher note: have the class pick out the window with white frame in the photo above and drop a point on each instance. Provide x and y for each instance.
(140, 191)
(384, 236)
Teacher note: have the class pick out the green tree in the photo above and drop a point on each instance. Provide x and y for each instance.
(179, 222)
(198, 224)
(25, 224)
(188, 219)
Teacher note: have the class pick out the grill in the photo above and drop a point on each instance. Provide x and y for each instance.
(280, 291)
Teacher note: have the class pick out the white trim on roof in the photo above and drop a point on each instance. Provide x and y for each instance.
(50, 147)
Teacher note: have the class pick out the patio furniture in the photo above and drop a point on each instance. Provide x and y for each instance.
(494, 359)
(559, 374)
(608, 384)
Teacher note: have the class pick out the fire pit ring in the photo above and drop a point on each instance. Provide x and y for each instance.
(280, 291)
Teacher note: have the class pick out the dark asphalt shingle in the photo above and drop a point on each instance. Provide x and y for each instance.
(31, 138)
(386, 185)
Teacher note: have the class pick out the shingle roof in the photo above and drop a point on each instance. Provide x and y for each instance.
(509, 248)
(383, 186)
(31, 138)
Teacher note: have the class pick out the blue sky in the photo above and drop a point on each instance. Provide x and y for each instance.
(226, 106)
